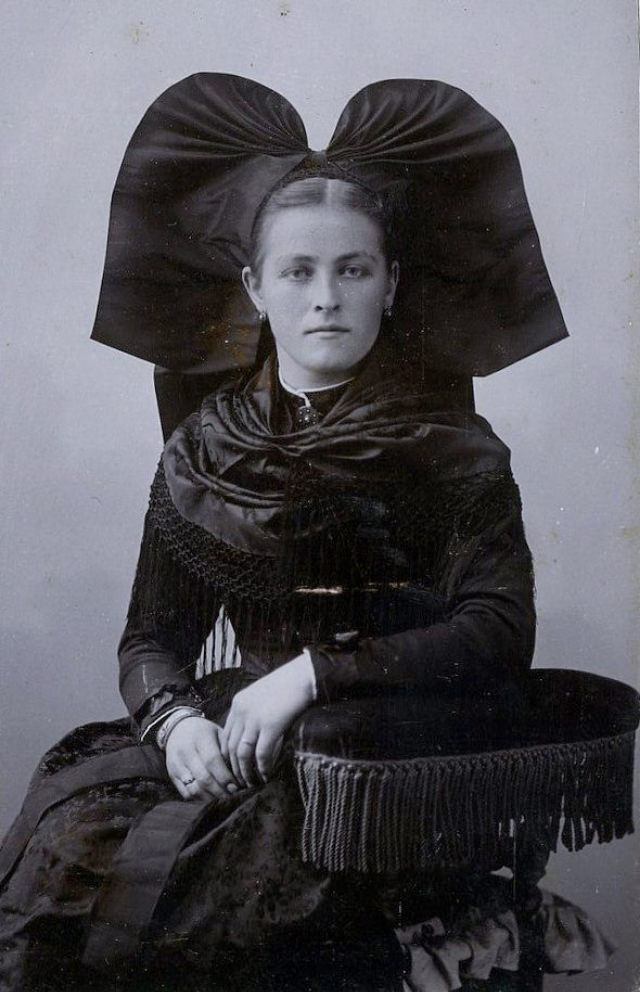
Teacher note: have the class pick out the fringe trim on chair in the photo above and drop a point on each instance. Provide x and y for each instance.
(385, 816)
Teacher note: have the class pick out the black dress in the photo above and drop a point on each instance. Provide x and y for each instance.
(114, 868)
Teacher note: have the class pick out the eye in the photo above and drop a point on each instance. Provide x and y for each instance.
(354, 271)
(298, 273)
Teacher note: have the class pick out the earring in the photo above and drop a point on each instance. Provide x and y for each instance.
(262, 316)
(388, 312)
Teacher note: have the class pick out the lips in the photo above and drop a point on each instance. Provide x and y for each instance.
(329, 328)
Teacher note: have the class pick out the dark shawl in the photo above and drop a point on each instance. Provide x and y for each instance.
(392, 525)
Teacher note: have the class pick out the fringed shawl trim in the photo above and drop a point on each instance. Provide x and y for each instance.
(392, 539)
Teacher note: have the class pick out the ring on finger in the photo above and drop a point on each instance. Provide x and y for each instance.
(187, 781)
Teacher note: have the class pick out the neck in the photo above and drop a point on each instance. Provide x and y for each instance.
(298, 379)
(302, 390)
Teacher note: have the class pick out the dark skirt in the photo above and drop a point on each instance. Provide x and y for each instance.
(109, 868)
(112, 881)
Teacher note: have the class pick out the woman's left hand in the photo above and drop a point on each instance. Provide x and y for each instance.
(260, 716)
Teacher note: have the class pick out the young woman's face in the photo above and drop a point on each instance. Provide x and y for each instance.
(324, 283)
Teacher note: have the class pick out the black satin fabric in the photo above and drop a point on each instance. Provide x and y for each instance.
(229, 478)
(548, 706)
(233, 480)
(474, 294)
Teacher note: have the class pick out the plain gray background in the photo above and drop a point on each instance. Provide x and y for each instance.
(80, 437)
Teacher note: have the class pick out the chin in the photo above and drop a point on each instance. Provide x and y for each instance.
(328, 364)
(335, 371)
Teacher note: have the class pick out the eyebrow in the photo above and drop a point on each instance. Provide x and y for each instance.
(341, 258)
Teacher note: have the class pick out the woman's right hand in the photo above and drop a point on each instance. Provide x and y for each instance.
(194, 757)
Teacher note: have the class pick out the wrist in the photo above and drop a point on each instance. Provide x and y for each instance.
(164, 730)
(336, 672)
(305, 672)
(157, 708)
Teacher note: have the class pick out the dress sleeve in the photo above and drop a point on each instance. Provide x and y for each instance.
(486, 637)
(165, 630)
(152, 679)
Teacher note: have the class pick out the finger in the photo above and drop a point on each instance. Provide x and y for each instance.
(180, 787)
(246, 751)
(194, 791)
(210, 753)
(223, 740)
(186, 784)
(267, 750)
(203, 776)
(242, 740)
(234, 733)
(191, 777)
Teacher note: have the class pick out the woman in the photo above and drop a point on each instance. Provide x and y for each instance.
(323, 278)
(333, 523)
(331, 425)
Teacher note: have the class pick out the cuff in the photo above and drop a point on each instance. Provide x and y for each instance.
(151, 716)
(335, 673)
(306, 654)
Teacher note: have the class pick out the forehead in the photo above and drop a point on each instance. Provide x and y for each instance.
(321, 230)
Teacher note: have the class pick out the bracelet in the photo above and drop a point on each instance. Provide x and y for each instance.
(172, 721)
(156, 722)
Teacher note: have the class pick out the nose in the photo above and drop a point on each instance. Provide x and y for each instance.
(326, 293)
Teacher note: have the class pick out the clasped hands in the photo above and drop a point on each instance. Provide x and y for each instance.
(204, 759)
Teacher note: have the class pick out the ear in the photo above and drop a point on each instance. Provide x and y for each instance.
(252, 286)
(392, 284)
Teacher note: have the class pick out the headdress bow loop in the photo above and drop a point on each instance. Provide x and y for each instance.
(474, 295)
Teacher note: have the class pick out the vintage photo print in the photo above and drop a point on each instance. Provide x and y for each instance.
(319, 527)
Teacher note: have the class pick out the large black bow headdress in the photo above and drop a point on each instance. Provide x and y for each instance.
(474, 295)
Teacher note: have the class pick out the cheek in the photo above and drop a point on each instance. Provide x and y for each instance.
(285, 299)
(367, 311)
(368, 296)
(286, 314)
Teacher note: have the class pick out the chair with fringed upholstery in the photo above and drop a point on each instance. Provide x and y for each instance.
(397, 786)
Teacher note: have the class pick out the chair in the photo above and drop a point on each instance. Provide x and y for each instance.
(404, 784)
(401, 784)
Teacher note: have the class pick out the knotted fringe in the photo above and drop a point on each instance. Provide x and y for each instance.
(348, 561)
(395, 815)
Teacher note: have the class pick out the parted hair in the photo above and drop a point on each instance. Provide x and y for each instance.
(329, 187)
